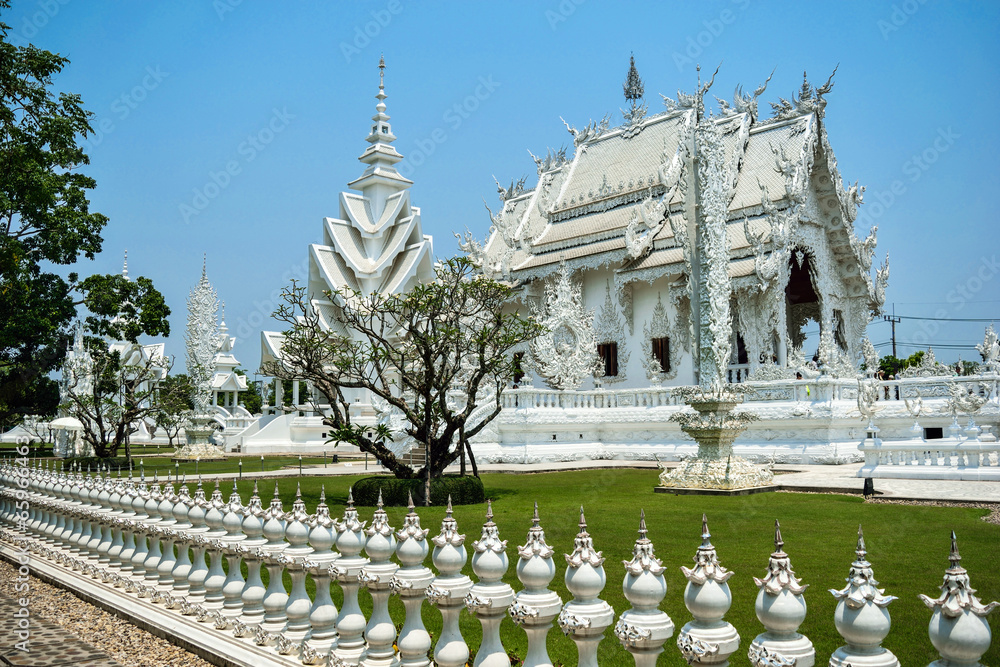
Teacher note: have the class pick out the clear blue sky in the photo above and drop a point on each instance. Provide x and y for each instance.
(180, 89)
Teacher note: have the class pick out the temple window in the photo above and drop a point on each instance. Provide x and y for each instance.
(608, 352)
(661, 352)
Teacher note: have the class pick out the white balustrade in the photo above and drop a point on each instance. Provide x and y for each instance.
(105, 527)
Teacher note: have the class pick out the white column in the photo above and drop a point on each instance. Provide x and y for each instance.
(295, 393)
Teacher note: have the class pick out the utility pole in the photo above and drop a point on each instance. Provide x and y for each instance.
(893, 319)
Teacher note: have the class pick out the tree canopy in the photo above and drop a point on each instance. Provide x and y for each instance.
(46, 223)
(435, 358)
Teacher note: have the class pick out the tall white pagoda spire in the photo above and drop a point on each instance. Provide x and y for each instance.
(380, 156)
(376, 242)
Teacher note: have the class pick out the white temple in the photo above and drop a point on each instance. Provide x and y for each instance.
(375, 244)
(608, 248)
(624, 215)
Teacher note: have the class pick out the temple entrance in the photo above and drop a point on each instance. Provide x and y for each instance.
(802, 306)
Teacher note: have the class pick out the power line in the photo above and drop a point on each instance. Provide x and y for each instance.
(949, 319)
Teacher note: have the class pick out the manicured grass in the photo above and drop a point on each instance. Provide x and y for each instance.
(163, 466)
(907, 546)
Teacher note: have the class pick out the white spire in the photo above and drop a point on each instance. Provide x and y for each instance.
(125, 266)
(380, 156)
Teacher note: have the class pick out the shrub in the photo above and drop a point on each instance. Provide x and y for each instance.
(463, 490)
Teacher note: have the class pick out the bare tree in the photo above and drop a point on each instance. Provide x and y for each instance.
(439, 356)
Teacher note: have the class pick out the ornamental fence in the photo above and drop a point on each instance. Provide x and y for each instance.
(810, 390)
(116, 538)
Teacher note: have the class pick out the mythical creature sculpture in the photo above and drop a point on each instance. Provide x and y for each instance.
(553, 159)
(960, 399)
(744, 103)
(769, 264)
(590, 132)
(808, 100)
(516, 188)
(989, 349)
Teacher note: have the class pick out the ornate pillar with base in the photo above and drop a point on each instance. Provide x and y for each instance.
(861, 617)
(380, 633)
(958, 628)
(410, 582)
(490, 597)
(448, 590)
(350, 622)
(536, 606)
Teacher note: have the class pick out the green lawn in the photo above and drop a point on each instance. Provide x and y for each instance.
(907, 545)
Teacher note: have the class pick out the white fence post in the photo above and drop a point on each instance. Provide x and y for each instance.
(380, 631)
(536, 606)
(643, 629)
(781, 608)
(490, 597)
(448, 590)
(586, 616)
(409, 583)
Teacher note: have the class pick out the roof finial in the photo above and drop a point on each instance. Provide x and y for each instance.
(125, 266)
(381, 71)
(204, 266)
(633, 87)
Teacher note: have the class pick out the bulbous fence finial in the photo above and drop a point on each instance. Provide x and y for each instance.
(585, 617)
(707, 639)
(643, 628)
(781, 609)
(861, 616)
(958, 626)
(536, 606)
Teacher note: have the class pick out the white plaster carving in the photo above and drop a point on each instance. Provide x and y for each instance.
(610, 328)
(567, 352)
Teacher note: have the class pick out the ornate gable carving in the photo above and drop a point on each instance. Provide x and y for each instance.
(567, 353)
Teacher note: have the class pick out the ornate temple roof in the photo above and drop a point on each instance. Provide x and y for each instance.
(625, 192)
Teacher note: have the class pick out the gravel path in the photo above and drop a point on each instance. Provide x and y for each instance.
(993, 517)
(125, 643)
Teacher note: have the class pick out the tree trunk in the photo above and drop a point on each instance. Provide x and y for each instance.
(472, 459)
